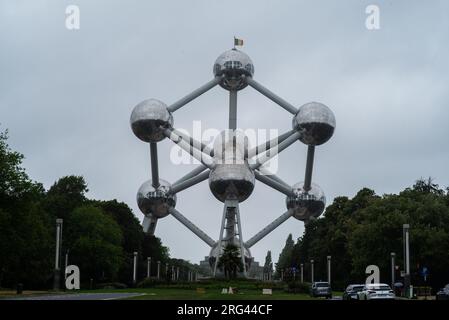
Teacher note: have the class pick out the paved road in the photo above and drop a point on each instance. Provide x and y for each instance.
(80, 296)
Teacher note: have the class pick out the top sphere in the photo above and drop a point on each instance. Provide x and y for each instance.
(148, 117)
(316, 122)
(233, 64)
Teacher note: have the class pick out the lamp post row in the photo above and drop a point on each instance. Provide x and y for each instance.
(191, 276)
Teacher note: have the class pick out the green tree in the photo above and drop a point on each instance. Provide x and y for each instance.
(285, 258)
(25, 238)
(95, 243)
(65, 195)
(268, 265)
(230, 261)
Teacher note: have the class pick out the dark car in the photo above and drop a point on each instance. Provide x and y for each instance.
(443, 294)
(321, 289)
(351, 291)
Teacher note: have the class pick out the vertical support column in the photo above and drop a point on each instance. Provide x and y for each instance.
(134, 268)
(329, 269)
(393, 258)
(302, 273)
(154, 165)
(242, 248)
(312, 276)
(158, 270)
(233, 109)
(220, 239)
(57, 272)
(309, 168)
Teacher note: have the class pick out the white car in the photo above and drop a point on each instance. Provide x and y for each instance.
(376, 291)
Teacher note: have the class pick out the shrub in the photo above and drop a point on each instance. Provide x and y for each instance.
(297, 287)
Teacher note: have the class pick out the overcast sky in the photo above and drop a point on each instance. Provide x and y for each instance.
(66, 96)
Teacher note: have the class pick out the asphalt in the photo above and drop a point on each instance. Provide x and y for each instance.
(80, 296)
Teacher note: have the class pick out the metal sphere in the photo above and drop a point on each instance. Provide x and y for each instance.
(306, 205)
(214, 252)
(156, 202)
(231, 181)
(147, 119)
(316, 122)
(233, 65)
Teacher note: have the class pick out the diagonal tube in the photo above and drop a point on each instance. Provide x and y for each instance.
(191, 174)
(270, 95)
(273, 184)
(178, 187)
(272, 153)
(269, 228)
(183, 144)
(195, 143)
(186, 222)
(195, 94)
(269, 144)
(149, 224)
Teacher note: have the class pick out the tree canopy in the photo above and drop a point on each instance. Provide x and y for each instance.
(365, 230)
(100, 236)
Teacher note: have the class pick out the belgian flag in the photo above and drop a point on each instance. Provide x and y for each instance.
(238, 42)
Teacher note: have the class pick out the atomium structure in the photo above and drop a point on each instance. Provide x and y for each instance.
(231, 166)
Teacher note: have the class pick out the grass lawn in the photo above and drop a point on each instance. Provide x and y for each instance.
(209, 294)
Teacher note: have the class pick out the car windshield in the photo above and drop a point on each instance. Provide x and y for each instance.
(322, 285)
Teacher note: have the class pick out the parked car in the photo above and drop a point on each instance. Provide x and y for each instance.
(376, 291)
(443, 294)
(321, 289)
(352, 290)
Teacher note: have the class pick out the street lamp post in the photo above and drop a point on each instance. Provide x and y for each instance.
(302, 272)
(57, 272)
(329, 269)
(158, 270)
(393, 256)
(134, 267)
(311, 270)
(66, 262)
(406, 236)
(149, 267)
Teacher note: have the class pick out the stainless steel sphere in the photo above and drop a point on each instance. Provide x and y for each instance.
(156, 202)
(306, 205)
(147, 119)
(214, 252)
(233, 65)
(316, 122)
(231, 181)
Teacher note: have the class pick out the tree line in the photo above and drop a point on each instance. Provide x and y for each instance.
(365, 230)
(100, 237)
